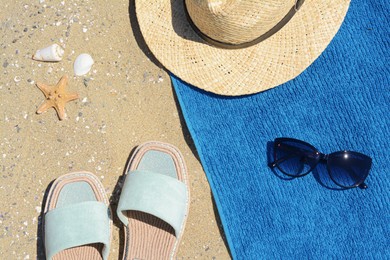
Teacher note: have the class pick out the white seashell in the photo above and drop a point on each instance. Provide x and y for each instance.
(82, 65)
(17, 79)
(51, 53)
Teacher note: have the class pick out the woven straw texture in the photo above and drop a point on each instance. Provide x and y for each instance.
(270, 63)
(237, 22)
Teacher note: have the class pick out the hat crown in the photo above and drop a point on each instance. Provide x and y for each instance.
(237, 21)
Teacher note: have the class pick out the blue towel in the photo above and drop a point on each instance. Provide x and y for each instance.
(341, 102)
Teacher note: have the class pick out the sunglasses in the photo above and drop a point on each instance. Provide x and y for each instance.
(296, 158)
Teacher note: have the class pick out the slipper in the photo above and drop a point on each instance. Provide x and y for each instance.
(154, 202)
(77, 223)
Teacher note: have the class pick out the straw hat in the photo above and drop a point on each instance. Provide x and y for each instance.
(237, 47)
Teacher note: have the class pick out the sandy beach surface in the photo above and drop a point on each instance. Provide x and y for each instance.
(126, 99)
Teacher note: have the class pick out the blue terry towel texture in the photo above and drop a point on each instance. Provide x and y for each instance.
(341, 102)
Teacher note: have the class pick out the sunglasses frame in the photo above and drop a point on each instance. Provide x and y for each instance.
(322, 157)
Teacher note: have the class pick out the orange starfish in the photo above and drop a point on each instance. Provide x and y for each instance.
(56, 97)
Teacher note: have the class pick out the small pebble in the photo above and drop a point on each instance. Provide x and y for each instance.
(86, 81)
(5, 64)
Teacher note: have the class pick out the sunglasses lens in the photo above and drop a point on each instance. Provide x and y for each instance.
(348, 169)
(295, 158)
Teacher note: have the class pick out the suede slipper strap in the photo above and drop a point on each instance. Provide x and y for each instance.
(157, 194)
(76, 225)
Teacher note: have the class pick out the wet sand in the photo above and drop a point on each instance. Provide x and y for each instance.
(126, 99)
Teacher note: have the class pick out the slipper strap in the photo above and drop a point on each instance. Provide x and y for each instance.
(157, 194)
(76, 225)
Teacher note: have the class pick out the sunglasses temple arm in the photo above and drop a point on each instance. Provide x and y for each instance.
(274, 163)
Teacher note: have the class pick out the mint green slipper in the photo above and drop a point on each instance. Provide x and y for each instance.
(154, 202)
(77, 222)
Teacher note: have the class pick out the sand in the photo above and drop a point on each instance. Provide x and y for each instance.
(126, 99)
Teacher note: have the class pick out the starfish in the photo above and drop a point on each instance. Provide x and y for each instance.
(56, 97)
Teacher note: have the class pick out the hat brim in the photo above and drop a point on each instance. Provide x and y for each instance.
(233, 72)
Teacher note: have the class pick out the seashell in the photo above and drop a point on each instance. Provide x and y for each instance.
(82, 65)
(50, 53)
